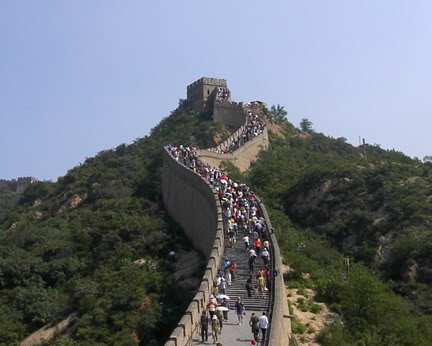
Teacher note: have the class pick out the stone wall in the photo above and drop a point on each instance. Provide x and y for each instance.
(230, 113)
(280, 325)
(18, 185)
(194, 204)
(49, 332)
(242, 157)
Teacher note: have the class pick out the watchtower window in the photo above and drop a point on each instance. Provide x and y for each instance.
(208, 92)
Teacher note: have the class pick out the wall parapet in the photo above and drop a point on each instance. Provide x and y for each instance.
(184, 193)
(230, 113)
(279, 329)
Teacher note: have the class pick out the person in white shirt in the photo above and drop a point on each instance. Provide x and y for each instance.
(246, 242)
(263, 324)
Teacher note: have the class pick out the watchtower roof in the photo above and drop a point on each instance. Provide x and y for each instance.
(208, 81)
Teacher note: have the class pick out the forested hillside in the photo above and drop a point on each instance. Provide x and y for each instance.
(329, 202)
(70, 247)
(8, 199)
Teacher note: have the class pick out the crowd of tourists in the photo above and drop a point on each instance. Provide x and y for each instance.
(243, 221)
(254, 127)
(223, 94)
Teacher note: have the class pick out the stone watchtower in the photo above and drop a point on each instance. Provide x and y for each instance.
(202, 92)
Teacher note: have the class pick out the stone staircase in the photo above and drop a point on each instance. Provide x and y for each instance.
(240, 256)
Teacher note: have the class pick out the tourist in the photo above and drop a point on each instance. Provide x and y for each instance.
(240, 310)
(232, 269)
(225, 304)
(251, 263)
(204, 323)
(215, 327)
(220, 318)
(231, 237)
(246, 242)
(211, 306)
(249, 287)
(258, 246)
(261, 285)
(265, 255)
(263, 325)
(268, 279)
(222, 286)
(253, 322)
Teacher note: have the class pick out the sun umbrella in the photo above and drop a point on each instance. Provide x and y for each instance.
(222, 308)
(223, 296)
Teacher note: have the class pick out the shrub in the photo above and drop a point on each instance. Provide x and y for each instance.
(298, 327)
(315, 308)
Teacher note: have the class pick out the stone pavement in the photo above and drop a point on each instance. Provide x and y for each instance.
(232, 333)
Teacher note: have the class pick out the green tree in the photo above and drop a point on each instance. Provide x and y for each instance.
(306, 125)
(277, 113)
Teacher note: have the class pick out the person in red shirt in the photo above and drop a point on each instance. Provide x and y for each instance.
(232, 268)
(258, 246)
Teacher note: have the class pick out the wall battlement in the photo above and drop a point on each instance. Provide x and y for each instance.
(210, 81)
(19, 184)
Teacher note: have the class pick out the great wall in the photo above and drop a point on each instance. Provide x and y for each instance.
(18, 185)
(194, 203)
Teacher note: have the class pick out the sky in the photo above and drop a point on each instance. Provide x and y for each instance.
(78, 77)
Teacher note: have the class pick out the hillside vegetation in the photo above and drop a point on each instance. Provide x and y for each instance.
(70, 246)
(328, 202)
(8, 199)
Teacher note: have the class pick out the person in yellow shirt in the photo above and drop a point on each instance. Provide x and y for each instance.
(261, 285)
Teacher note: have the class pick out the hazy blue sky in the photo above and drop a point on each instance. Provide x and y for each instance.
(81, 76)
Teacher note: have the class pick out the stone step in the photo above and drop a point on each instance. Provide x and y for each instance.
(240, 256)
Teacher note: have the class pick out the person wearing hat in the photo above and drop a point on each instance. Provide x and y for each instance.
(215, 328)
